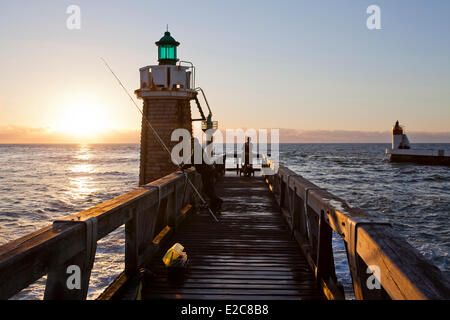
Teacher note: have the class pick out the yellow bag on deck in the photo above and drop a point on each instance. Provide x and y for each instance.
(175, 256)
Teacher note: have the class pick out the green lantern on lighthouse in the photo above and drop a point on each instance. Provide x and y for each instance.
(167, 49)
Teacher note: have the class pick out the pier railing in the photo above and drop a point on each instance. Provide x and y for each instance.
(382, 264)
(150, 213)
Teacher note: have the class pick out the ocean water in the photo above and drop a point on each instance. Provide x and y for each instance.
(41, 183)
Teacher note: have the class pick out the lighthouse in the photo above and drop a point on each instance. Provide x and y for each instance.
(166, 90)
(401, 151)
(397, 135)
(399, 139)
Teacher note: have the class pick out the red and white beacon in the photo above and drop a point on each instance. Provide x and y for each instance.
(399, 139)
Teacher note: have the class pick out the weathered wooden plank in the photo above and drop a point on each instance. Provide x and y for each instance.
(114, 287)
(199, 281)
(246, 275)
(253, 292)
(405, 273)
(258, 262)
(238, 286)
(246, 257)
(175, 296)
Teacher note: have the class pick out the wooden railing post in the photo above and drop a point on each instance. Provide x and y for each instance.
(172, 208)
(313, 230)
(132, 242)
(295, 205)
(282, 193)
(277, 187)
(359, 271)
(70, 280)
(302, 224)
(197, 181)
(325, 270)
(56, 285)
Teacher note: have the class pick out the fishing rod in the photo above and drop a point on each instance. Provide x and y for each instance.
(158, 138)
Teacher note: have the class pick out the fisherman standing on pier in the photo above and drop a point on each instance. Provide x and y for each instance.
(248, 146)
(207, 171)
(247, 167)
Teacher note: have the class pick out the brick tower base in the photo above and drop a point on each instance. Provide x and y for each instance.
(165, 114)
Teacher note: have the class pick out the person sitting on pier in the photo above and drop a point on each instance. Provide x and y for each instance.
(207, 172)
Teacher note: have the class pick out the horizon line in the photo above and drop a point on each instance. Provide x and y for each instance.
(138, 143)
(28, 135)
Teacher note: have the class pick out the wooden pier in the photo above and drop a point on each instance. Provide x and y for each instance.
(249, 254)
(273, 241)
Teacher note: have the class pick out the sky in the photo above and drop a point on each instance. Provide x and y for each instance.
(311, 68)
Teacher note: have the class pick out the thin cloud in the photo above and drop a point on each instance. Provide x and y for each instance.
(20, 134)
(347, 136)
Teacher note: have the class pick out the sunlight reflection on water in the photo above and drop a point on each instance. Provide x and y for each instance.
(82, 187)
(83, 168)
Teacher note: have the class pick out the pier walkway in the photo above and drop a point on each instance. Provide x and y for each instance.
(249, 254)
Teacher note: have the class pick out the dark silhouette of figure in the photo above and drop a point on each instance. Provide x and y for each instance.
(207, 172)
(247, 168)
(247, 150)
